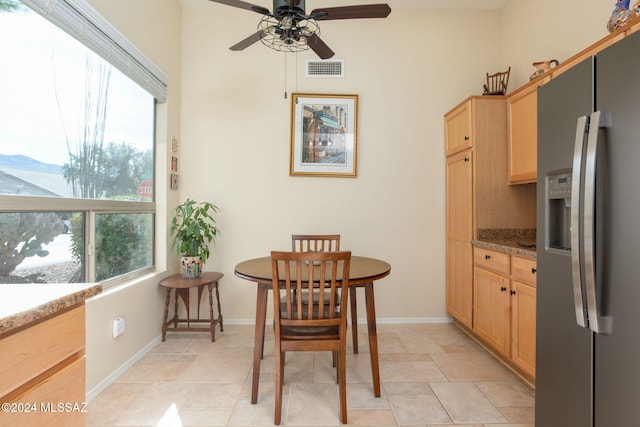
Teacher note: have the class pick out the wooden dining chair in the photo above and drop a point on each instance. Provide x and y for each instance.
(321, 326)
(327, 243)
(315, 242)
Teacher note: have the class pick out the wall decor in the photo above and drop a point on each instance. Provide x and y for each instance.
(324, 135)
(174, 181)
(174, 144)
(174, 164)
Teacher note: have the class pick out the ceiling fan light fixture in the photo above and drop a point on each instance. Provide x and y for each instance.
(288, 34)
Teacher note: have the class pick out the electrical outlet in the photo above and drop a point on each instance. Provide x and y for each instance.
(118, 327)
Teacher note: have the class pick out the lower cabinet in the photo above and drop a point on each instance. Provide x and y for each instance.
(42, 373)
(504, 309)
(491, 320)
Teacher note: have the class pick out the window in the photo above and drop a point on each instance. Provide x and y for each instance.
(76, 147)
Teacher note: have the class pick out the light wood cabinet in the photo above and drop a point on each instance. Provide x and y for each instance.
(472, 129)
(504, 314)
(43, 366)
(523, 314)
(491, 316)
(459, 202)
(522, 113)
(523, 326)
(477, 193)
(458, 129)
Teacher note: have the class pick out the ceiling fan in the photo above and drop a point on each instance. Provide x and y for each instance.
(289, 29)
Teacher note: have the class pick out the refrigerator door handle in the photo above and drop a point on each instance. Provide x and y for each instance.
(576, 180)
(597, 323)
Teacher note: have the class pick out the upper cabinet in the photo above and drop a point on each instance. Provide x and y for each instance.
(458, 129)
(522, 114)
(522, 122)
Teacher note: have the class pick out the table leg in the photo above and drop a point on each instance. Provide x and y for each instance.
(212, 325)
(175, 311)
(166, 314)
(219, 309)
(373, 337)
(183, 293)
(258, 345)
(354, 318)
(200, 291)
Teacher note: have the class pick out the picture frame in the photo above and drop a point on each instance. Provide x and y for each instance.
(324, 139)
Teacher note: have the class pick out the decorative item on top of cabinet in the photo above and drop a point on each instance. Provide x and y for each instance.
(497, 83)
(542, 67)
(620, 15)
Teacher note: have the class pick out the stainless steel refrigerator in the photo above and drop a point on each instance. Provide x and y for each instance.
(588, 244)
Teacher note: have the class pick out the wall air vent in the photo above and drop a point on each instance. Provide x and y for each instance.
(325, 68)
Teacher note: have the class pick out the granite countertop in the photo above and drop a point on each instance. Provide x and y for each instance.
(519, 242)
(21, 304)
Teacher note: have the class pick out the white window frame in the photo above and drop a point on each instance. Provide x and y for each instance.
(86, 25)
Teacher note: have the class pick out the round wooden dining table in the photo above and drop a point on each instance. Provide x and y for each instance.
(363, 272)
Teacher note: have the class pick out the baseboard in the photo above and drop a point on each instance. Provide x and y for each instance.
(115, 374)
(361, 321)
(409, 321)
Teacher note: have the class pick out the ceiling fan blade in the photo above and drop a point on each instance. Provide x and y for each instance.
(243, 5)
(247, 42)
(319, 47)
(381, 10)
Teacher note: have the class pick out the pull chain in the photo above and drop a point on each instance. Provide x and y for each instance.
(285, 75)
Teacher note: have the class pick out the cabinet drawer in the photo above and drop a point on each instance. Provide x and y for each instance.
(491, 260)
(59, 400)
(524, 269)
(32, 351)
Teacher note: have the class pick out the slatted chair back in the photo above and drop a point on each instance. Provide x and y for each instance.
(315, 242)
(497, 83)
(320, 326)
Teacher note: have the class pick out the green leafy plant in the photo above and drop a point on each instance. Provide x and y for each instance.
(193, 228)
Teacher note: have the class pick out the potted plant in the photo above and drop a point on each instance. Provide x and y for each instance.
(193, 228)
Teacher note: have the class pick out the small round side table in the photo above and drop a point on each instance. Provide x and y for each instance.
(182, 287)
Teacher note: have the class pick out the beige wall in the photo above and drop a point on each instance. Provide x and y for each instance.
(228, 112)
(154, 27)
(549, 29)
(408, 70)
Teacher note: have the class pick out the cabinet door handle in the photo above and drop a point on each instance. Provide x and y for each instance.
(512, 292)
(487, 257)
(466, 138)
(503, 289)
(533, 270)
(466, 159)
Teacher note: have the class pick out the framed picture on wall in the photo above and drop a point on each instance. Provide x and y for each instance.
(324, 135)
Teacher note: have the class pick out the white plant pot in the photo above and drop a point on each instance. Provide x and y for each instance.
(191, 267)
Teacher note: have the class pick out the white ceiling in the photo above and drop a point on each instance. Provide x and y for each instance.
(403, 4)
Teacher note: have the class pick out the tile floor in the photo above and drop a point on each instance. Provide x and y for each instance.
(432, 375)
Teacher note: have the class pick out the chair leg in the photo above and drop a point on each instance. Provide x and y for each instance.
(342, 385)
(277, 412)
(354, 318)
